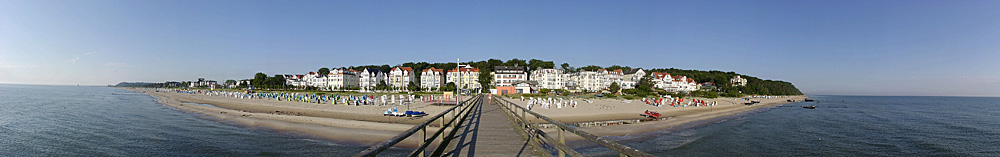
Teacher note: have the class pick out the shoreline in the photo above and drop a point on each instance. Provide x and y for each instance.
(365, 125)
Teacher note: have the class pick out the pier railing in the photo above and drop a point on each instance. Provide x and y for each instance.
(423, 141)
(539, 137)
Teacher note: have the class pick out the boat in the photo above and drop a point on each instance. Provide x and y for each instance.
(809, 100)
(809, 107)
(651, 114)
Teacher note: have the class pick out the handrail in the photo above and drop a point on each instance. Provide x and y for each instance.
(591, 137)
(464, 113)
(465, 116)
(378, 148)
(536, 131)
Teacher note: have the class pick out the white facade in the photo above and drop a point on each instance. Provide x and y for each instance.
(738, 81)
(549, 78)
(591, 80)
(613, 76)
(401, 77)
(369, 78)
(469, 78)
(505, 76)
(674, 83)
(432, 78)
(340, 78)
(315, 80)
(632, 78)
(295, 80)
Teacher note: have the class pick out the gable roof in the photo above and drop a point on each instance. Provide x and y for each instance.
(402, 68)
(659, 75)
(433, 69)
(465, 70)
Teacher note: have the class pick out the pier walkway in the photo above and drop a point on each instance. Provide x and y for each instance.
(490, 133)
(494, 127)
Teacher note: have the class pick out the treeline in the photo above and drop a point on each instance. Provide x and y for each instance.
(262, 81)
(721, 79)
(140, 84)
(754, 85)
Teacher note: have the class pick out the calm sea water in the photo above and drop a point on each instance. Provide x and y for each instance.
(100, 121)
(843, 126)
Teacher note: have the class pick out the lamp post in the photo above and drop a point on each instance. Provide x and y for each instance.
(458, 63)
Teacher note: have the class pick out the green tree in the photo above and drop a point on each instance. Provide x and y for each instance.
(323, 71)
(515, 62)
(230, 82)
(566, 68)
(381, 85)
(412, 87)
(450, 87)
(590, 68)
(485, 80)
(258, 80)
(613, 88)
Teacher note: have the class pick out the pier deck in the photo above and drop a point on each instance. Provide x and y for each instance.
(490, 133)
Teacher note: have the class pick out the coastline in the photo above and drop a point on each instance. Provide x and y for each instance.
(606, 109)
(365, 125)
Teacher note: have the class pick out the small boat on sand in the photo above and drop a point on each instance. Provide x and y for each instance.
(651, 114)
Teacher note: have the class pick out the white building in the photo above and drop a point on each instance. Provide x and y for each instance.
(295, 80)
(505, 76)
(468, 76)
(592, 80)
(313, 79)
(401, 77)
(369, 78)
(432, 78)
(613, 76)
(341, 78)
(550, 78)
(738, 81)
(632, 78)
(674, 83)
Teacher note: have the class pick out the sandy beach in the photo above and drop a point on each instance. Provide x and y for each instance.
(366, 125)
(363, 125)
(611, 109)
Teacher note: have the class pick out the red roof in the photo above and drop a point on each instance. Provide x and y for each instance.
(434, 69)
(312, 73)
(403, 68)
(465, 70)
(659, 75)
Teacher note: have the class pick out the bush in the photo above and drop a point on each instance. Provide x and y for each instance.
(544, 91)
(630, 97)
(678, 95)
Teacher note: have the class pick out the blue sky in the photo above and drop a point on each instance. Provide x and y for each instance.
(948, 48)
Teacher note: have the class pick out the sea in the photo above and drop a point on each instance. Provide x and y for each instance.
(838, 126)
(40, 120)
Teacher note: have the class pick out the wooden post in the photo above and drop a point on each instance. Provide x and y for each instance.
(423, 133)
(442, 129)
(562, 140)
